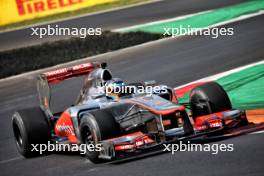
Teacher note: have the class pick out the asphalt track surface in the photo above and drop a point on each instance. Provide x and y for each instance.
(116, 19)
(173, 62)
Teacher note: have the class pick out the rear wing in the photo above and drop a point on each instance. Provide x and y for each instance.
(60, 75)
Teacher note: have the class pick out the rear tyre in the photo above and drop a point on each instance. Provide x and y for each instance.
(95, 127)
(209, 98)
(30, 127)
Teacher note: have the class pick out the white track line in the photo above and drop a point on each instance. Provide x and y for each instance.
(10, 160)
(82, 60)
(160, 21)
(240, 18)
(257, 132)
(220, 75)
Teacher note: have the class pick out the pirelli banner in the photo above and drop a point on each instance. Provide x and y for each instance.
(13, 11)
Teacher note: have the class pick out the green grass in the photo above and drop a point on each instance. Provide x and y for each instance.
(87, 10)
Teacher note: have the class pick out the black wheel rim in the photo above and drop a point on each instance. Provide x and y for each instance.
(18, 135)
(88, 136)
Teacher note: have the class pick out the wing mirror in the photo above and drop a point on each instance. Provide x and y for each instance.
(97, 96)
(150, 83)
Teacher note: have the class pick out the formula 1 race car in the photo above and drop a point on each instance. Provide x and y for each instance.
(131, 123)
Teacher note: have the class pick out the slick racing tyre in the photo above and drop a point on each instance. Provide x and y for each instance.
(95, 127)
(30, 127)
(209, 98)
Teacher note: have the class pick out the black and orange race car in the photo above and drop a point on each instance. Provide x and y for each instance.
(132, 123)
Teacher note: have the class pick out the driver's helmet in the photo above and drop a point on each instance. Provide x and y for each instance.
(114, 88)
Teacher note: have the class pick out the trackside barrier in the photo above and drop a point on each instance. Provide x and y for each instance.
(13, 11)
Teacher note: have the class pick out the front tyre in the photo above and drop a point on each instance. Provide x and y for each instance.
(95, 127)
(209, 98)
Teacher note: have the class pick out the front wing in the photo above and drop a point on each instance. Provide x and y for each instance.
(204, 127)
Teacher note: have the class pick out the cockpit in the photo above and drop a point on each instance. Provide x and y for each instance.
(93, 87)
